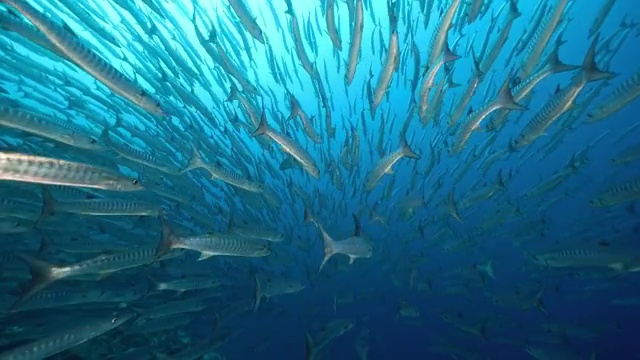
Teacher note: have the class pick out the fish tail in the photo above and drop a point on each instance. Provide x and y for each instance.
(590, 70)
(308, 217)
(104, 135)
(505, 98)
(45, 244)
(539, 303)
(488, 268)
(263, 128)
(447, 54)
(293, 114)
(258, 294)
(234, 94)
(453, 209)
(213, 36)
(501, 180)
(295, 107)
(406, 150)
(556, 65)
(41, 277)
(167, 241)
(329, 248)
(514, 13)
(357, 227)
(289, 10)
(393, 17)
(309, 347)
(195, 161)
(476, 64)
(230, 222)
(48, 206)
(481, 330)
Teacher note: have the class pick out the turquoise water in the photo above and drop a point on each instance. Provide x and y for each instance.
(493, 251)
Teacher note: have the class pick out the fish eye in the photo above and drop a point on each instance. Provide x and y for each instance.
(135, 182)
(93, 141)
(114, 319)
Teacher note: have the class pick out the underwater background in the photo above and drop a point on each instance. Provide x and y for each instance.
(359, 179)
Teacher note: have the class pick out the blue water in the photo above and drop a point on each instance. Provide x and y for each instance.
(429, 261)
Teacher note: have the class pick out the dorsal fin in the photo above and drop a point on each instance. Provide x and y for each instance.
(356, 223)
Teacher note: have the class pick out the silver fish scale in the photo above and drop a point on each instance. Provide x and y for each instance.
(119, 261)
(226, 245)
(135, 152)
(109, 206)
(621, 192)
(577, 253)
(630, 186)
(41, 170)
(64, 340)
(235, 179)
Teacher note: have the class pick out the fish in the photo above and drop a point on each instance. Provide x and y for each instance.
(66, 41)
(247, 20)
(42, 126)
(68, 337)
(356, 246)
(132, 152)
(391, 63)
(621, 96)
(254, 231)
(274, 287)
(617, 194)
(289, 146)
(44, 170)
(562, 101)
(585, 257)
(44, 274)
(211, 244)
(386, 163)
(504, 100)
(187, 284)
(98, 207)
(331, 26)
(356, 42)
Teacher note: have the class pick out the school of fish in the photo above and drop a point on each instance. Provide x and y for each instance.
(178, 179)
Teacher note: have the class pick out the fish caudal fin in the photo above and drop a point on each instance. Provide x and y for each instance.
(556, 65)
(258, 294)
(453, 208)
(195, 161)
(308, 217)
(447, 54)
(488, 269)
(234, 94)
(590, 70)
(41, 276)
(167, 241)
(329, 247)
(539, 304)
(505, 98)
(480, 329)
(309, 347)
(48, 206)
(406, 150)
(356, 223)
(263, 128)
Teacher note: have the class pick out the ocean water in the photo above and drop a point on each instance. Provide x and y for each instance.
(518, 241)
